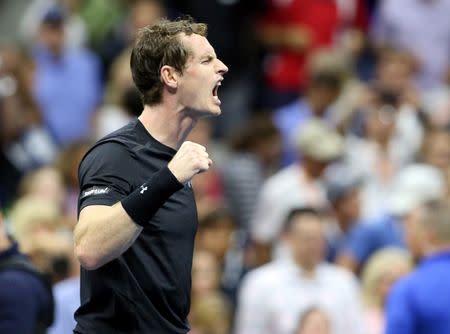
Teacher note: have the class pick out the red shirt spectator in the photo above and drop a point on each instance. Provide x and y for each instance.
(295, 28)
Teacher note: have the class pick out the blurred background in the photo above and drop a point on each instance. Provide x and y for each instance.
(333, 111)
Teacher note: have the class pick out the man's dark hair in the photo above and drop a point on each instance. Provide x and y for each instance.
(160, 45)
(299, 212)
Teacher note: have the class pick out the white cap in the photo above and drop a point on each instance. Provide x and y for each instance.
(416, 184)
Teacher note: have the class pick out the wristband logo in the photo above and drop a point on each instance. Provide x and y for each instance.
(143, 189)
(94, 191)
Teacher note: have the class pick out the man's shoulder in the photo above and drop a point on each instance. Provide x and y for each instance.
(125, 134)
(114, 144)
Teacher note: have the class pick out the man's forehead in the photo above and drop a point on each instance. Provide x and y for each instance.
(198, 45)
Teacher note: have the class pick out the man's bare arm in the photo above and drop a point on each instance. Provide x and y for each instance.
(102, 234)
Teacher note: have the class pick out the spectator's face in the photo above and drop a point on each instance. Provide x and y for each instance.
(217, 239)
(197, 86)
(392, 275)
(52, 37)
(323, 97)
(380, 124)
(315, 322)
(349, 206)
(47, 183)
(205, 273)
(306, 240)
(415, 234)
(269, 151)
(394, 73)
(436, 151)
(314, 168)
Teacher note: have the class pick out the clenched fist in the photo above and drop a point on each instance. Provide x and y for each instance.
(190, 159)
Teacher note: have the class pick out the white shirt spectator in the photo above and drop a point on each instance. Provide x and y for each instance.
(273, 298)
(422, 28)
(282, 192)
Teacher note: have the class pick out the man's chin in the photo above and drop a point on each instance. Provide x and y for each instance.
(212, 112)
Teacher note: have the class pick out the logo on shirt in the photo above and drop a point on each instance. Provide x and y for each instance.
(143, 189)
(95, 191)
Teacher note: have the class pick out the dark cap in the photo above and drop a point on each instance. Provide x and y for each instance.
(54, 16)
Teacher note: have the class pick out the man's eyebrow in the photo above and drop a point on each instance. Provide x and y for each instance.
(209, 54)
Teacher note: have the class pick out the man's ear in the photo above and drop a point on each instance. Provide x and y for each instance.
(169, 76)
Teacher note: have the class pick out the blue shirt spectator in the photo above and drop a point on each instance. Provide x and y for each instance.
(366, 238)
(420, 303)
(67, 89)
(323, 89)
(288, 119)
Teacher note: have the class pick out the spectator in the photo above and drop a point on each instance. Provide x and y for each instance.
(45, 183)
(67, 84)
(31, 216)
(292, 30)
(206, 280)
(419, 303)
(395, 76)
(377, 152)
(435, 151)
(206, 273)
(75, 28)
(381, 271)
(323, 90)
(24, 144)
(314, 321)
(255, 155)
(406, 25)
(414, 186)
(343, 194)
(210, 314)
(319, 146)
(273, 297)
(217, 234)
(26, 302)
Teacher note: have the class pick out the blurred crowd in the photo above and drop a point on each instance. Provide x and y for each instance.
(333, 144)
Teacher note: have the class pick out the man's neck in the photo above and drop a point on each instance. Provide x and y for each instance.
(167, 124)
